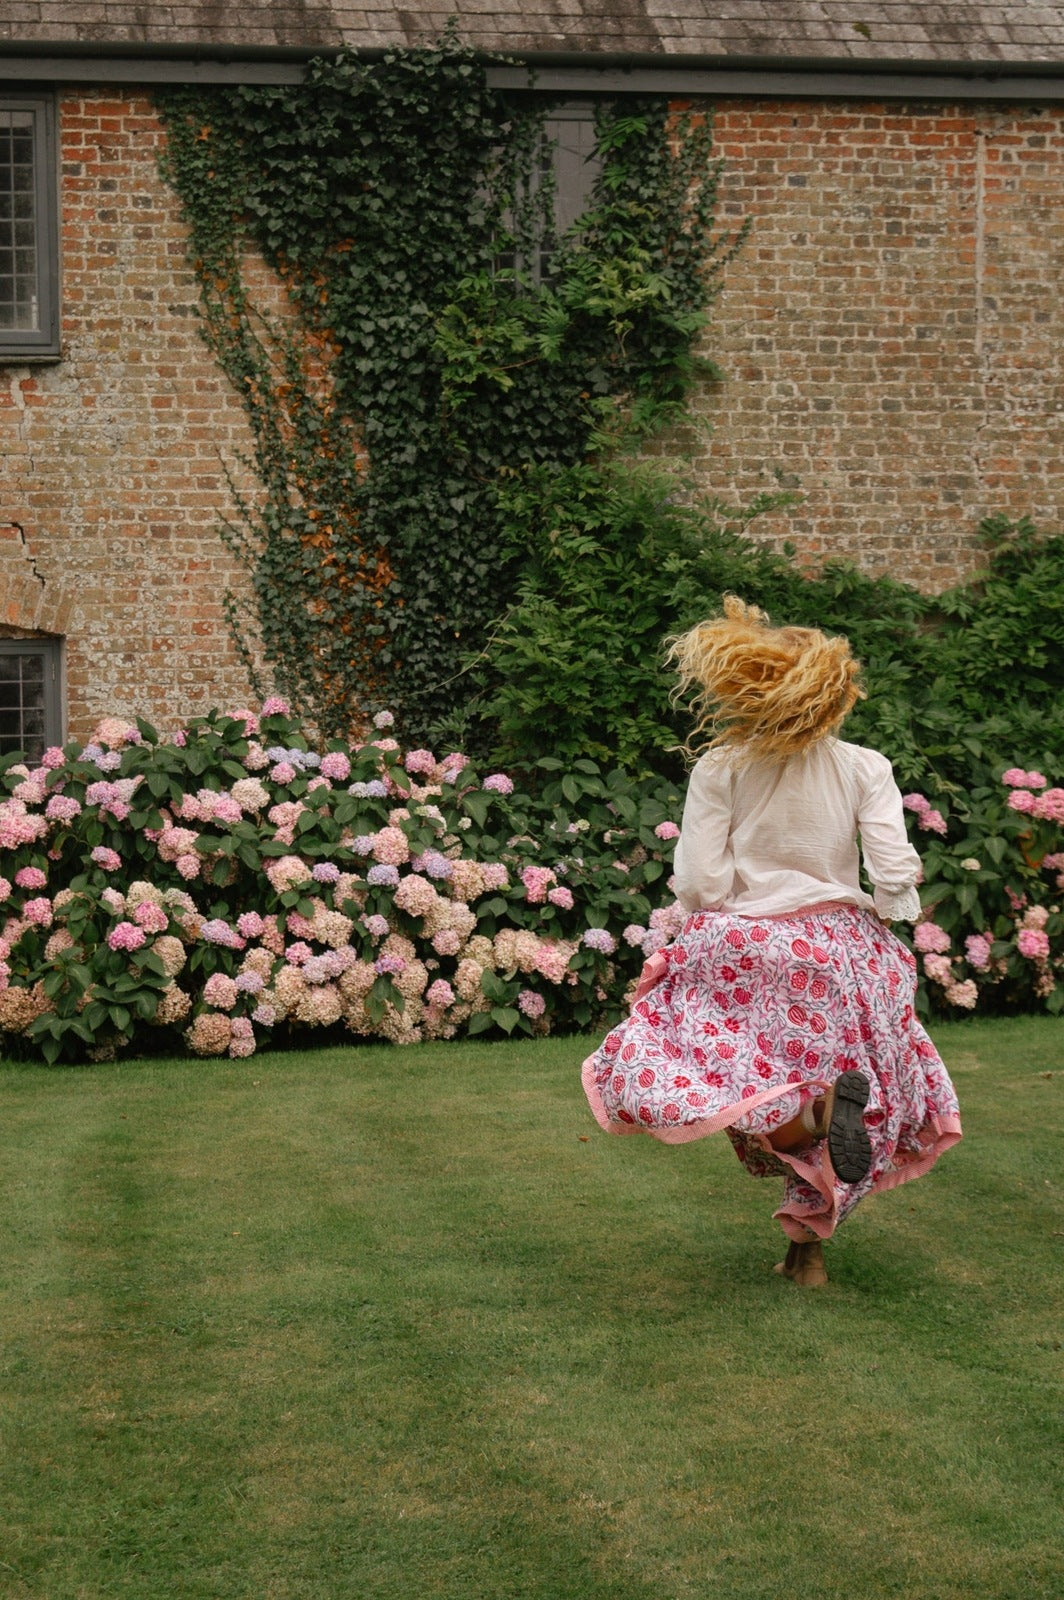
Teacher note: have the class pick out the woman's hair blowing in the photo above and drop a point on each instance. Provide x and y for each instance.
(770, 691)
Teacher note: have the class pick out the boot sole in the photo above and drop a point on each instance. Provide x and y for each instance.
(848, 1143)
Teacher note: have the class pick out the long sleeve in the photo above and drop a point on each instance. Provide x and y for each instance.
(890, 860)
(703, 864)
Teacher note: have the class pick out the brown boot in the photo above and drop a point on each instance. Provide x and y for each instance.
(804, 1265)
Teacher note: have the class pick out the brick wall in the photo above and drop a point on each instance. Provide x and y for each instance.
(113, 457)
(892, 330)
(891, 336)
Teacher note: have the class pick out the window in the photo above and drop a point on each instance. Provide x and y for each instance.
(567, 159)
(30, 701)
(29, 241)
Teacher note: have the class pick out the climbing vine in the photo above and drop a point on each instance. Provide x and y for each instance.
(419, 371)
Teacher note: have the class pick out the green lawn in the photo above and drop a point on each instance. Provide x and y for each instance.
(386, 1324)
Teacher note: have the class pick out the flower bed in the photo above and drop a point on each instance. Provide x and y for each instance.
(232, 886)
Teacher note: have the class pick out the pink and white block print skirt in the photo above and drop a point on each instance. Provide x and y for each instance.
(741, 1020)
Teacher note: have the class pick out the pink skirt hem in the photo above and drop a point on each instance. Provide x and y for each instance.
(798, 1223)
(687, 1132)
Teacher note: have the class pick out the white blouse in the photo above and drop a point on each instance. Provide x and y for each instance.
(762, 838)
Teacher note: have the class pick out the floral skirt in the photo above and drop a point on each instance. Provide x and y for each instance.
(741, 1020)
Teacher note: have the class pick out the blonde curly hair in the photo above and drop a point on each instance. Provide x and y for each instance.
(770, 692)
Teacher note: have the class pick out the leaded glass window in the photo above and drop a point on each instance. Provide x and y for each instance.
(28, 228)
(30, 713)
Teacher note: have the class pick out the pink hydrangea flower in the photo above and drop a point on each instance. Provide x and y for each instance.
(537, 880)
(499, 783)
(62, 808)
(531, 1004)
(939, 969)
(150, 917)
(53, 757)
(439, 993)
(249, 925)
(932, 821)
(220, 991)
(1016, 778)
(667, 830)
(600, 939)
(384, 719)
(1021, 800)
(126, 936)
(964, 995)
(38, 912)
(1050, 805)
(552, 960)
(391, 847)
(298, 953)
(1033, 943)
(241, 1038)
(283, 772)
(420, 761)
(928, 937)
(250, 794)
(977, 949)
(561, 897)
(286, 872)
(188, 865)
(416, 895)
(31, 878)
(336, 766)
(275, 706)
(30, 792)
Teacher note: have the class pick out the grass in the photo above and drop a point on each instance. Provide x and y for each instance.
(386, 1324)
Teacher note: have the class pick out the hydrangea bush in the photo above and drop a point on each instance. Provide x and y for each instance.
(992, 933)
(231, 886)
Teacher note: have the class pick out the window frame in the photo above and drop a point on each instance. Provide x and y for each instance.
(52, 652)
(23, 344)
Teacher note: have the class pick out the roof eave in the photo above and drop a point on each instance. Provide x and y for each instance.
(560, 71)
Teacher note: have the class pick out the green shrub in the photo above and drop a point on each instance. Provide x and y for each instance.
(956, 683)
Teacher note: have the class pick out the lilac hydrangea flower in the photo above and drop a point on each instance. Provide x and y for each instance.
(383, 875)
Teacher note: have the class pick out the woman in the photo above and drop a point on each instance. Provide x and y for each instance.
(783, 1012)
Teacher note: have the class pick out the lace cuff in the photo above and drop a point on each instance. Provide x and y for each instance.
(897, 904)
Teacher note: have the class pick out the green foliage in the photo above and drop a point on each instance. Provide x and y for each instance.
(957, 684)
(419, 376)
